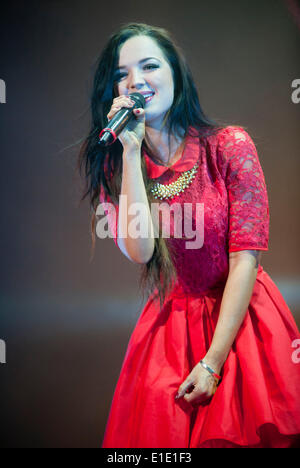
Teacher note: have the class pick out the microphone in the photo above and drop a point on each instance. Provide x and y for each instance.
(110, 133)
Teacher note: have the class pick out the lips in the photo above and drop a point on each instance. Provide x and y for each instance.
(148, 95)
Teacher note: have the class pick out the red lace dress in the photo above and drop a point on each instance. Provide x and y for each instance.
(257, 402)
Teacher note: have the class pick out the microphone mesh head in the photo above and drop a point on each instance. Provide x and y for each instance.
(139, 99)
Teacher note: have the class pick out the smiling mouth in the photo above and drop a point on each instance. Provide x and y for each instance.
(147, 99)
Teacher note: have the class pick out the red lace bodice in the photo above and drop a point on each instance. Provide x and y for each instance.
(231, 186)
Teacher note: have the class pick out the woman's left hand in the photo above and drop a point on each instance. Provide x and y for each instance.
(204, 385)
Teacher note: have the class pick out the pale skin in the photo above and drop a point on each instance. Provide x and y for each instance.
(138, 72)
(243, 266)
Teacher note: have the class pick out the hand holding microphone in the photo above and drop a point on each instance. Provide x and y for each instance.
(126, 121)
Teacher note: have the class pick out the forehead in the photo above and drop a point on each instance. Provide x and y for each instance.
(137, 48)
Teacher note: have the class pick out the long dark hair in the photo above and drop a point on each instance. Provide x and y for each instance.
(185, 112)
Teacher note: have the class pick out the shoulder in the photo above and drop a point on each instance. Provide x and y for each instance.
(233, 134)
(234, 142)
(233, 145)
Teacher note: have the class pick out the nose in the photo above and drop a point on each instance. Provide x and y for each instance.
(136, 81)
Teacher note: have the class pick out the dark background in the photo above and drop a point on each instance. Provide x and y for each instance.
(66, 321)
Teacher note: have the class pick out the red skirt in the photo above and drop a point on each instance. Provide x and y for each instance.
(257, 401)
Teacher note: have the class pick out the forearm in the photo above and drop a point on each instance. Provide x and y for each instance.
(139, 249)
(235, 301)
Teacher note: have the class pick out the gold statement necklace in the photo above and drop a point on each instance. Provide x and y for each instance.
(163, 192)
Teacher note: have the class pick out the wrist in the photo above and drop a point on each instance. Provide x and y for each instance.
(210, 370)
(132, 152)
(216, 363)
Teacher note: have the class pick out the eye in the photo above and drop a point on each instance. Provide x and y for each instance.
(149, 65)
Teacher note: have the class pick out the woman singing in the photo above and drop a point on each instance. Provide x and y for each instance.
(210, 362)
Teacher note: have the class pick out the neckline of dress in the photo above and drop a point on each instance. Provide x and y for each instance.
(188, 157)
(179, 150)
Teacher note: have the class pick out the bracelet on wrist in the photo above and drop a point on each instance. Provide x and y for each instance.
(210, 370)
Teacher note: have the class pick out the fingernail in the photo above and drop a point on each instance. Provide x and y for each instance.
(138, 111)
(177, 396)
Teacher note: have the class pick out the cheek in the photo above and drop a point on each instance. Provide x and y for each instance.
(169, 92)
(169, 86)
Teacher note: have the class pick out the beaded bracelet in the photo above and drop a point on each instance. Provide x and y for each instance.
(210, 370)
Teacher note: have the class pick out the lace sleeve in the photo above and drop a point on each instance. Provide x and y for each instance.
(248, 226)
(111, 214)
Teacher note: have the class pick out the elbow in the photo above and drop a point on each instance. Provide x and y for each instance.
(140, 257)
(142, 254)
(143, 259)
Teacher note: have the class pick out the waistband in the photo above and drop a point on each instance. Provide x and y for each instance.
(179, 291)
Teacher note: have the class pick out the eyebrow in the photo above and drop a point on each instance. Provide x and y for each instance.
(141, 61)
